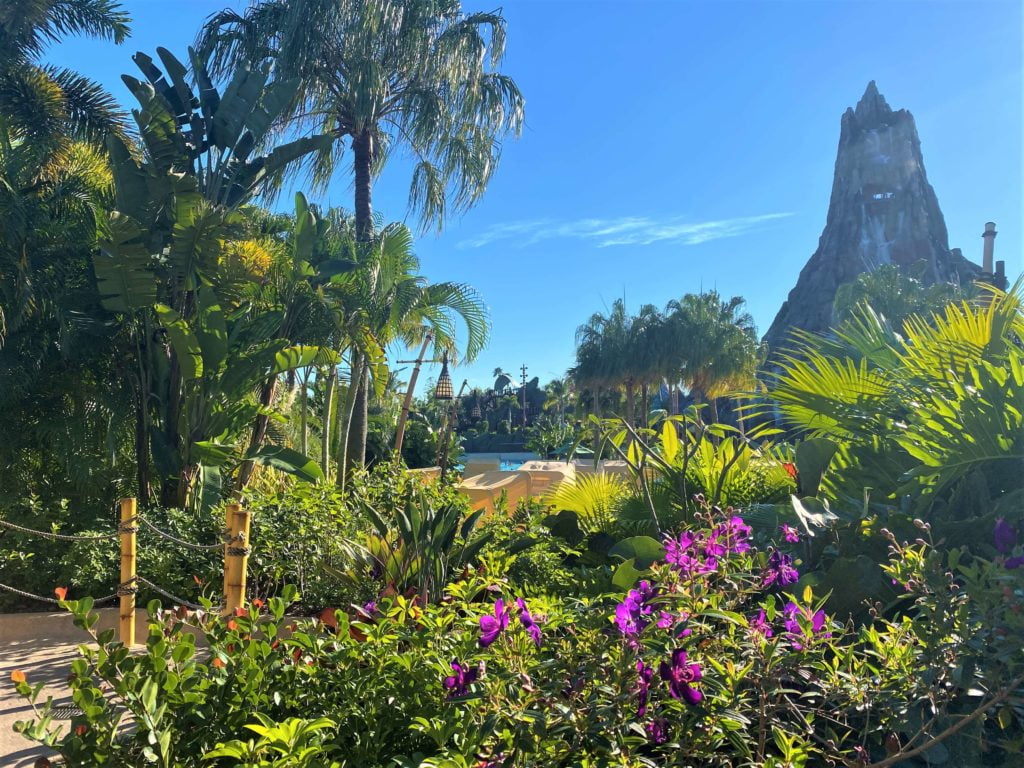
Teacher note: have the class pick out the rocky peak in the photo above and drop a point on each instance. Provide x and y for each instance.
(872, 110)
(882, 211)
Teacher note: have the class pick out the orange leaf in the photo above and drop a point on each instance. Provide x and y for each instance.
(218, 663)
(81, 729)
(240, 611)
(197, 580)
(61, 592)
(17, 676)
(258, 603)
(232, 625)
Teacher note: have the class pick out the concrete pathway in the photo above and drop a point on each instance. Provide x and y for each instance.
(42, 645)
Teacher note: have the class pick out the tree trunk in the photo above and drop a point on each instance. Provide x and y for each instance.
(714, 410)
(171, 492)
(355, 448)
(597, 427)
(645, 404)
(362, 161)
(303, 414)
(630, 415)
(259, 432)
(325, 431)
(142, 451)
(346, 427)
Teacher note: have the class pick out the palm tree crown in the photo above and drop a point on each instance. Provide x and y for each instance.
(420, 73)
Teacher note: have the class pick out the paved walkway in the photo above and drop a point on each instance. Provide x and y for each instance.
(42, 645)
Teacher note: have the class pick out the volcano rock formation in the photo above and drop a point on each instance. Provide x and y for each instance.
(883, 211)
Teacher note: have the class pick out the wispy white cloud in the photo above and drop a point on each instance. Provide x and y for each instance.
(627, 230)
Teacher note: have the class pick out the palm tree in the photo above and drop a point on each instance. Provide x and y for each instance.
(47, 104)
(557, 392)
(387, 302)
(715, 343)
(419, 73)
(615, 350)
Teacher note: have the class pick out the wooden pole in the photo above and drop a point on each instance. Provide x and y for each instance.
(236, 556)
(128, 586)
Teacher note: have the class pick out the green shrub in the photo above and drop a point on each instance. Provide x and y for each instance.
(709, 661)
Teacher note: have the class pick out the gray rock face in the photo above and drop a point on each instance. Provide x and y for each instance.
(883, 211)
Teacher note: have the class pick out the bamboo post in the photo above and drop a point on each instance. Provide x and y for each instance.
(128, 586)
(236, 556)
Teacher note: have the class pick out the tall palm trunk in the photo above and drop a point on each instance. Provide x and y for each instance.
(344, 463)
(355, 447)
(325, 431)
(362, 161)
(645, 403)
(304, 415)
(597, 414)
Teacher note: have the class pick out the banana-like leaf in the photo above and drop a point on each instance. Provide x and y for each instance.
(239, 99)
(212, 453)
(122, 266)
(211, 330)
(183, 342)
(209, 487)
(287, 460)
(276, 97)
(158, 128)
(131, 190)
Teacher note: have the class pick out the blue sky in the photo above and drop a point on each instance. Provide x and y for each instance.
(675, 146)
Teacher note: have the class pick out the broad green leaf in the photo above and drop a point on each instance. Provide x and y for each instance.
(643, 550)
(122, 265)
(669, 442)
(211, 330)
(183, 342)
(287, 460)
(626, 575)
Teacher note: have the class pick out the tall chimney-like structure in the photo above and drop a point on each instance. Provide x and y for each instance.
(989, 236)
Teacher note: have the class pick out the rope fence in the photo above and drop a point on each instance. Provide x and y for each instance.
(58, 536)
(234, 544)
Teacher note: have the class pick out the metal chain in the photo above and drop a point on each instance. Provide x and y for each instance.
(189, 544)
(169, 596)
(58, 536)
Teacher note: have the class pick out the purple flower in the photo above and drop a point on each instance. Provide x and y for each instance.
(789, 533)
(794, 614)
(492, 626)
(688, 554)
(370, 608)
(657, 730)
(527, 621)
(1004, 535)
(645, 673)
(731, 537)
(780, 571)
(1014, 563)
(458, 684)
(679, 674)
(759, 625)
(632, 614)
(668, 620)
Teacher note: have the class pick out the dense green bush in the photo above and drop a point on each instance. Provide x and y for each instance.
(710, 662)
